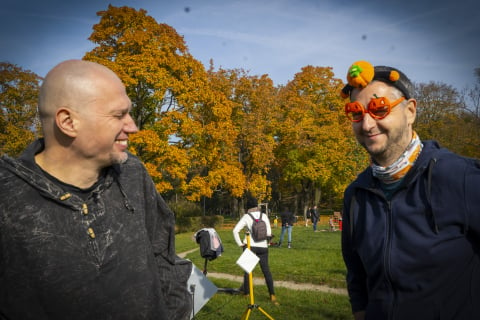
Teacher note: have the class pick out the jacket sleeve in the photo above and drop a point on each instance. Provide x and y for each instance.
(173, 272)
(267, 222)
(242, 223)
(356, 275)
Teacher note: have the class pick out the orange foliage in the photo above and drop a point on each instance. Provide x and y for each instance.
(19, 122)
(316, 143)
(172, 99)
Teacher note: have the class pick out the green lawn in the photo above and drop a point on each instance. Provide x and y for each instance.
(315, 258)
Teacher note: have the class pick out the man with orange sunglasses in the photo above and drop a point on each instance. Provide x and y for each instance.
(411, 220)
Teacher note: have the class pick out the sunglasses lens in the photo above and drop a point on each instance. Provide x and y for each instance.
(380, 112)
(354, 111)
(379, 108)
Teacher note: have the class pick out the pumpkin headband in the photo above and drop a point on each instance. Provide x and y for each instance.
(361, 73)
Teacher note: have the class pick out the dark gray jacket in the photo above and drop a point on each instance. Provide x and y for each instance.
(111, 256)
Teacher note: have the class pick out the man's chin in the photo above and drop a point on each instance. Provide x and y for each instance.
(374, 150)
(119, 158)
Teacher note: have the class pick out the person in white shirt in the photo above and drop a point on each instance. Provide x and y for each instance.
(259, 248)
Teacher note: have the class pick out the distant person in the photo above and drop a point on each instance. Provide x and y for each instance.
(259, 248)
(314, 217)
(331, 223)
(411, 220)
(307, 216)
(84, 234)
(288, 219)
(275, 222)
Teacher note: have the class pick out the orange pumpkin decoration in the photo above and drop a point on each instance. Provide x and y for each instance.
(360, 74)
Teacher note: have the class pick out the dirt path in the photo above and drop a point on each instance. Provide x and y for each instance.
(260, 281)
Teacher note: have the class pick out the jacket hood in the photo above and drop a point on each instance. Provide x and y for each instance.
(25, 168)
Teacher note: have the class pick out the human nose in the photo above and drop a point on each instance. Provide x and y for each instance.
(129, 125)
(368, 122)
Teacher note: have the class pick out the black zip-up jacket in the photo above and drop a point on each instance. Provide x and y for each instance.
(111, 256)
(416, 256)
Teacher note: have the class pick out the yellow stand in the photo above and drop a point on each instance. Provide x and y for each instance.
(252, 304)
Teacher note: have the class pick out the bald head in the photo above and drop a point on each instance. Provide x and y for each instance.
(71, 84)
(85, 114)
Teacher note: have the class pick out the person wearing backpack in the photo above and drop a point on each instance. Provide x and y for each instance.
(259, 247)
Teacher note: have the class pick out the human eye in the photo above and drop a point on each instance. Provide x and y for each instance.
(121, 114)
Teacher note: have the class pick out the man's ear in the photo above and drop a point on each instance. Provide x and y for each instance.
(66, 122)
(411, 111)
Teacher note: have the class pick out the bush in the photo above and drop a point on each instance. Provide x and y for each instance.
(188, 224)
(212, 221)
(189, 217)
(185, 208)
(325, 212)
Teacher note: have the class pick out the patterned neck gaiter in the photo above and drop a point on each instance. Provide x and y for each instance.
(399, 168)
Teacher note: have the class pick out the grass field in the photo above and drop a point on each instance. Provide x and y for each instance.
(315, 257)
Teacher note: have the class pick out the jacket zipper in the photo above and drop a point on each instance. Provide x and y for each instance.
(386, 258)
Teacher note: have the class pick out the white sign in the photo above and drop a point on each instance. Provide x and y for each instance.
(248, 260)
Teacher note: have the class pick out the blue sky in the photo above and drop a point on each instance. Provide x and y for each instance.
(429, 41)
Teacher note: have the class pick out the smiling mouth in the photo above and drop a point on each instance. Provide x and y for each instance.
(121, 142)
(370, 135)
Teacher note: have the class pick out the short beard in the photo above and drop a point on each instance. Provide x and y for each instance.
(392, 150)
(118, 159)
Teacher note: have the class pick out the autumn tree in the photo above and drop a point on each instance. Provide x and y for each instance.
(253, 115)
(442, 116)
(471, 115)
(317, 155)
(471, 96)
(185, 134)
(19, 124)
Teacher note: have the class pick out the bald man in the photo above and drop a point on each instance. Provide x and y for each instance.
(83, 232)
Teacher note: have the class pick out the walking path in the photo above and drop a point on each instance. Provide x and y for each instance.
(285, 284)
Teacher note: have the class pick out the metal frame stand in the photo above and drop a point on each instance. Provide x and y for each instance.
(251, 306)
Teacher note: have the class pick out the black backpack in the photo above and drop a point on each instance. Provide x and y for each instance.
(259, 228)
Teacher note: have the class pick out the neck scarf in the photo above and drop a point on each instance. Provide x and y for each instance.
(402, 165)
